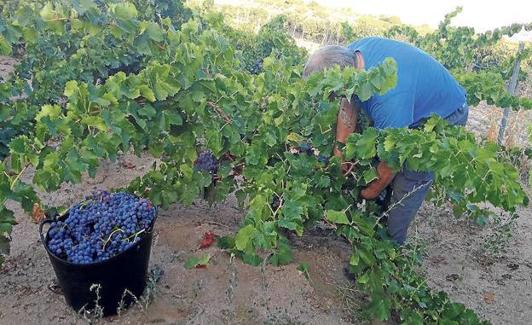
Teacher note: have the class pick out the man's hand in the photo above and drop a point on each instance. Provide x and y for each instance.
(385, 177)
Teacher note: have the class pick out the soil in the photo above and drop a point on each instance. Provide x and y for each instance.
(488, 268)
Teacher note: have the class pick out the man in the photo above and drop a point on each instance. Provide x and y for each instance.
(424, 87)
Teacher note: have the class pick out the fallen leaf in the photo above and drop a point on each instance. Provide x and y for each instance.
(489, 297)
(37, 214)
(304, 268)
(197, 262)
(207, 240)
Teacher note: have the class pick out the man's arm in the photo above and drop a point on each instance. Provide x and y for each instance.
(345, 124)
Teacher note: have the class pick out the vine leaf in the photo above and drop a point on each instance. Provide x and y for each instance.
(338, 217)
(354, 260)
(243, 237)
(226, 242)
(284, 255)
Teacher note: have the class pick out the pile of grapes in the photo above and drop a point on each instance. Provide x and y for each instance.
(100, 227)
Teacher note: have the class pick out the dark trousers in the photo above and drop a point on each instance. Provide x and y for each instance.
(409, 188)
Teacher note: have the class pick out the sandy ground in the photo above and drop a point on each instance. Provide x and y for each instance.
(483, 267)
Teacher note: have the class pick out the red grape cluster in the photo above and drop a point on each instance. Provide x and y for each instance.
(206, 162)
(102, 226)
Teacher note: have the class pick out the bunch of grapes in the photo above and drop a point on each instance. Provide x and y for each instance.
(323, 159)
(206, 162)
(102, 226)
(276, 202)
(256, 68)
(306, 148)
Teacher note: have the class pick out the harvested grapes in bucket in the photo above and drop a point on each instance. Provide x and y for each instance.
(100, 227)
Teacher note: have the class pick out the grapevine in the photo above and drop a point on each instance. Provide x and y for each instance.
(186, 95)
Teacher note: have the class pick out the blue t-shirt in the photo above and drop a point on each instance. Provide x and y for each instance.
(424, 86)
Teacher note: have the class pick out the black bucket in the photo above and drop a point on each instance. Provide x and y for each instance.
(111, 284)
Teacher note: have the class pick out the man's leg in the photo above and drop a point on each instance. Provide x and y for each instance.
(409, 189)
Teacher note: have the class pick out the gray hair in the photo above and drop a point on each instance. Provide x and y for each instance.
(327, 57)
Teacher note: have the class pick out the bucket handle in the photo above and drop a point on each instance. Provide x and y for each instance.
(43, 223)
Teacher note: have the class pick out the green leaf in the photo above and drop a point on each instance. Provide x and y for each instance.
(226, 242)
(124, 10)
(251, 259)
(354, 260)
(47, 12)
(95, 122)
(173, 118)
(283, 256)
(153, 31)
(294, 137)
(338, 217)
(82, 6)
(324, 181)
(53, 18)
(365, 145)
(147, 93)
(52, 111)
(5, 47)
(195, 261)
(244, 236)
(71, 88)
(369, 175)
(304, 268)
(363, 279)
(381, 308)
(365, 91)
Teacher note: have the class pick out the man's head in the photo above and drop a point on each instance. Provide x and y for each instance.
(327, 57)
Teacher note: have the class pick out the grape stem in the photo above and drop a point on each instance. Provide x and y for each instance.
(111, 235)
(136, 234)
(220, 112)
(14, 182)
